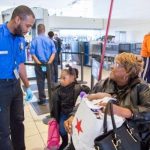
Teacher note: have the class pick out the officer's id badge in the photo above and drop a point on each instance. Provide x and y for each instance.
(16, 73)
(21, 46)
(3, 52)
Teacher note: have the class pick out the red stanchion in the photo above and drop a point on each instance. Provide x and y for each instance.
(105, 41)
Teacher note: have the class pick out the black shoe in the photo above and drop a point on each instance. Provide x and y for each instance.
(42, 102)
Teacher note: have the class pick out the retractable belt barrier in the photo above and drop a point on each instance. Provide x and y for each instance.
(81, 54)
(94, 63)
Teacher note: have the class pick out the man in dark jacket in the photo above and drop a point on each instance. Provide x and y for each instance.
(59, 41)
(55, 62)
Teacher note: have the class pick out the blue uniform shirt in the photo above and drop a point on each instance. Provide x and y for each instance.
(12, 52)
(42, 47)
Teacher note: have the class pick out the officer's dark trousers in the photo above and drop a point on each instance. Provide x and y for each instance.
(11, 116)
(40, 77)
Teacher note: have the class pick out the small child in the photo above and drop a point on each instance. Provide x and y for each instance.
(64, 98)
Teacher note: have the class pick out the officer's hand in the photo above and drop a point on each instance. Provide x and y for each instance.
(29, 94)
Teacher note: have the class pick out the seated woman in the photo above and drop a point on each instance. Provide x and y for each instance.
(124, 84)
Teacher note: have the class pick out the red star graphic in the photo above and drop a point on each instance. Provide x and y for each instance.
(78, 126)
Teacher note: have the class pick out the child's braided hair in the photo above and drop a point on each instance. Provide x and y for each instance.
(72, 71)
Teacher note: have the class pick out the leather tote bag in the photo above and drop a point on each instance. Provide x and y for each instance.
(122, 138)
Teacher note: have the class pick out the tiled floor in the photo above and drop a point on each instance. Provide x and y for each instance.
(35, 130)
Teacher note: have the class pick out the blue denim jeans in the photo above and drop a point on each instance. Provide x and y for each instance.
(62, 130)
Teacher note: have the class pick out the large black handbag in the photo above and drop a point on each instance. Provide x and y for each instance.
(122, 138)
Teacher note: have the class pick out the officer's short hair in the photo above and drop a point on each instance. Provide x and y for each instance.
(22, 11)
(41, 28)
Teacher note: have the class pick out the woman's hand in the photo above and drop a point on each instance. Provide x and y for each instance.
(118, 110)
(98, 95)
(121, 111)
(68, 124)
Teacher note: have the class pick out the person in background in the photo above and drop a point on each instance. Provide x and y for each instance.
(55, 62)
(131, 92)
(12, 58)
(43, 52)
(64, 98)
(145, 53)
(59, 41)
(27, 47)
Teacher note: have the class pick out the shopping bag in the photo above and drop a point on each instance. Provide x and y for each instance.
(86, 127)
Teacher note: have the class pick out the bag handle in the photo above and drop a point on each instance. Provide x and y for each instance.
(112, 116)
(105, 119)
(109, 109)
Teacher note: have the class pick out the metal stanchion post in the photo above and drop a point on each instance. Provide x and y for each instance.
(92, 78)
(61, 60)
(49, 83)
(82, 54)
(82, 82)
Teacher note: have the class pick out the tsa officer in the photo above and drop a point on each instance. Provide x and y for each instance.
(43, 52)
(12, 69)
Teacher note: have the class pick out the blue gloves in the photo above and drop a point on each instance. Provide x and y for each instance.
(29, 94)
(44, 68)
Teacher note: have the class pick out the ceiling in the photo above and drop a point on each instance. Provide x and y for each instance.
(136, 9)
(37, 3)
(53, 6)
